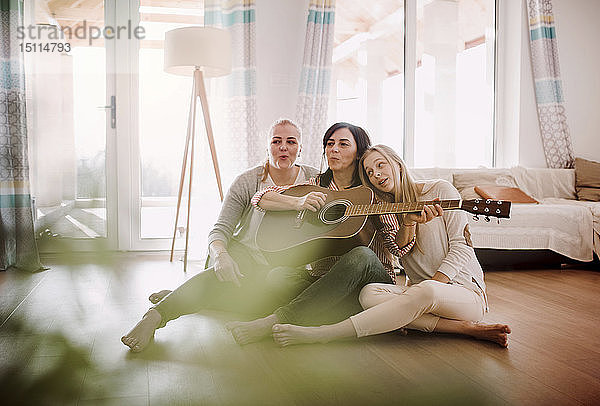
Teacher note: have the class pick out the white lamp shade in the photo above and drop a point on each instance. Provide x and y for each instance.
(207, 48)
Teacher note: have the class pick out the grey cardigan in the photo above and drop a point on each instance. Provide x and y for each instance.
(234, 217)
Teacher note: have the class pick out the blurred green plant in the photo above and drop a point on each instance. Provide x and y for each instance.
(58, 382)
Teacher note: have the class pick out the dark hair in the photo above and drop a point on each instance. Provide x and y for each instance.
(363, 142)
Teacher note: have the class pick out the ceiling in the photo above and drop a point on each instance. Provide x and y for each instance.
(371, 27)
(377, 28)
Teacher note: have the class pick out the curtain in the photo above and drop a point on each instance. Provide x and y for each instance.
(232, 98)
(17, 240)
(548, 85)
(315, 78)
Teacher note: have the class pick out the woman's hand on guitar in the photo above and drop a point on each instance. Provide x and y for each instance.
(227, 269)
(428, 213)
(312, 201)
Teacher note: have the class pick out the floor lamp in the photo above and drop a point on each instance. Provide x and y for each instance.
(199, 52)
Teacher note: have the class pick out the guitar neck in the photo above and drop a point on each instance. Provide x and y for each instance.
(391, 208)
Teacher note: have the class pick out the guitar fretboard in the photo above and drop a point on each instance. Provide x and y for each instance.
(389, 208)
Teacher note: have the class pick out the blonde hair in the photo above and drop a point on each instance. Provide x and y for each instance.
(278, 123)
(405, 187)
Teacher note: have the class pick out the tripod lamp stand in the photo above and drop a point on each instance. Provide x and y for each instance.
(199, 52)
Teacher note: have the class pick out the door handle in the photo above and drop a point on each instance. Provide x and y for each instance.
(113, 111)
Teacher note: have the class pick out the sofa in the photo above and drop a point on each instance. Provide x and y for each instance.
(555, 221)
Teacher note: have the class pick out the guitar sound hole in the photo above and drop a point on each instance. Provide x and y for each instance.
(334, 212)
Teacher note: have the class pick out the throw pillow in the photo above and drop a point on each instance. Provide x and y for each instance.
(587, 179)
(591, 194)
(465, 181)
(511, 194)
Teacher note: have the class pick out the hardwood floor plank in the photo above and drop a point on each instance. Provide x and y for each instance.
(491, 367)
(428, 374)
(590, 366)
(541, 366)
(89, 301)
(336, 373)
(544, 295)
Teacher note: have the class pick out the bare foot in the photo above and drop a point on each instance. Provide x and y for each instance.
(158, 296)
(246, 332)
(289, 334)
(497, 333)
(139, 337)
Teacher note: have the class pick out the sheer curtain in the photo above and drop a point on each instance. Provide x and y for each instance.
(17, 239)
(233, 97)
(548, 85)
(315, 78)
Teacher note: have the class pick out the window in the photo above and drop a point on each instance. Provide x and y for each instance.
(368, 68)
(449, 119)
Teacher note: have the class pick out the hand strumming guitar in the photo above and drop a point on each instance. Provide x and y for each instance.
(312, 201)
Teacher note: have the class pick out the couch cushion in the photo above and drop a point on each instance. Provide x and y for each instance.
(541, 183)
(431, 173)
(564, 228)
(466, 181)
(587, 179)
(591, 194)
(594, 208)
(511, 194)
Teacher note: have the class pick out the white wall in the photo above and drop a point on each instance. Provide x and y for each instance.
(577, 33)
(280, 28)
(531, 152)
(508, 76)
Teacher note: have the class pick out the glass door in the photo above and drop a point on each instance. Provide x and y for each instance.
(71, 108)
(159, 125)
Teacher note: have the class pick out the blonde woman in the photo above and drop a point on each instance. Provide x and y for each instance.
(445, 291)
(237, 277)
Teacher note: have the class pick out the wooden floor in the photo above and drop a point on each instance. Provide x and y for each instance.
(60, 330)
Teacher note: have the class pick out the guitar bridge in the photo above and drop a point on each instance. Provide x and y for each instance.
(299, 220)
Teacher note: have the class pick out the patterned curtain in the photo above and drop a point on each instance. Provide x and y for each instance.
(17, 240)
(232, 98)
(548, 85)
(315, 79)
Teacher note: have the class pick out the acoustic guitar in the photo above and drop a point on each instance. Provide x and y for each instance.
(296, 238)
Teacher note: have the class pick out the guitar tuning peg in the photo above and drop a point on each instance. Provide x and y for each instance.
(476, 217)
(487, 219)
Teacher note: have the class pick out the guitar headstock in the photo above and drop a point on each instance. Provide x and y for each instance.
(487, 207)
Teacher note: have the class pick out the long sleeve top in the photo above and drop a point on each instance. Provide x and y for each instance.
(238, 220)
(444, 244)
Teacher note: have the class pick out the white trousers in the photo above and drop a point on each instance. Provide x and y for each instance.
(418, 307)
